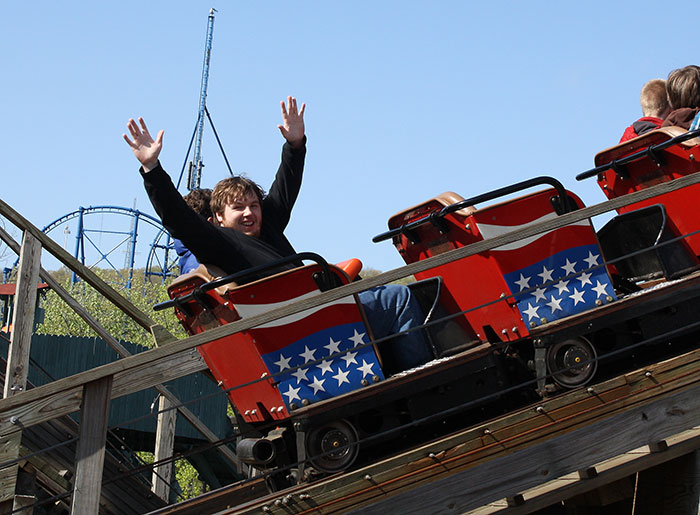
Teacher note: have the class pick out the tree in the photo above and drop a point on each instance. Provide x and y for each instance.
(59, 319)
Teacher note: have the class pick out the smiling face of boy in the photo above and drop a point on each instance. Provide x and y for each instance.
(244, 214)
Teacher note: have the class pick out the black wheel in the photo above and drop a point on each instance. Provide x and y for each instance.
(573, 362)
(332, 447)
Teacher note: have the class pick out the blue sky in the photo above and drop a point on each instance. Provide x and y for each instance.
(405, 100)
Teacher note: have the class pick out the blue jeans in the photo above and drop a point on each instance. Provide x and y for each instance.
(391, 309)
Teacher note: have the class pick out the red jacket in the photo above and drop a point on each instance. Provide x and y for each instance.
(646, 124)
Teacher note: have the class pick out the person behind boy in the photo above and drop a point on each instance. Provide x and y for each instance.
(683, 88)
(655, 108)
(198, 200)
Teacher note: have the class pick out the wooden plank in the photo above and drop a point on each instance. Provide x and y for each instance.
(24, 504)
(134, 380)
(506, 476)
(511, 433)
(23, 317)
(91, 447)
(9, 451)
(671, 487)
(609, 471)
(508, 435)
(158, 333)
(165, 443)
(335, 293)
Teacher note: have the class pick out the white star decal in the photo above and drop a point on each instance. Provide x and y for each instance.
(292, 393)
(599, 289)
(308, 354)
(569, 267)
(333, 347)
(531, 311)
(342, 376)
(539, 294)
(585, 278)
(317, 385)
(554, 304)
(592, 259)
(562, 286)
(577, 296)
(523, 282)
(357, 338)
(283, 363)
(366, 368)
(546, 274)
(300, 373)
(349, 358)
(325, 366)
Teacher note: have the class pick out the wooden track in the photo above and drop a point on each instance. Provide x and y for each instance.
(521, 462)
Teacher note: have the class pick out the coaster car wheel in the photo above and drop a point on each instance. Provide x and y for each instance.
(332, 447)
(572, 363)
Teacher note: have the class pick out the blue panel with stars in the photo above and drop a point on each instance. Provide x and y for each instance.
(561, 285)
(325, 376)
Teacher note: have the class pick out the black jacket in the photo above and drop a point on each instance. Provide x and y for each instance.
(231, 250)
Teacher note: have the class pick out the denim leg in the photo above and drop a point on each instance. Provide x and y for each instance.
(391, 309)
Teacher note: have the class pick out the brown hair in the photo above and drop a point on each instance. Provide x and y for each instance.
(683, 87)
(654, 99)
(231, 189)
(199, 200)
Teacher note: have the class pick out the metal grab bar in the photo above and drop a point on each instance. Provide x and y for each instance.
(616, 164)
(501, 192)
(197, 293)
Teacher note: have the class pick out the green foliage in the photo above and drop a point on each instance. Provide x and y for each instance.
(60, 319)
(186, 476)
(188, 479)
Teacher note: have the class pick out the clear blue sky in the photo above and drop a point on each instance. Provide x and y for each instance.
(404, 99)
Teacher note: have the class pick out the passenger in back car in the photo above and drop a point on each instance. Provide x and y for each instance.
(655, 108)
(683, 88)
(198, 200)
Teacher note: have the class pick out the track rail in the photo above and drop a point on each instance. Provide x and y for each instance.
(500, 464)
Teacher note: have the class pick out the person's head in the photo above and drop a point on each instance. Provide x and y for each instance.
(237, 204)
(199, 201)
(683, 87)
(654, 99)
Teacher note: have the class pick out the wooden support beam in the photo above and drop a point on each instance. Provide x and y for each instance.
(531, 452)
(553, 457)
(671, 487)
(165, 442)
(91, 447)
(23, 316)
(18, 353)
(24, 504)
(9, 452)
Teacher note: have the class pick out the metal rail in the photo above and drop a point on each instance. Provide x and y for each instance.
(616, 164)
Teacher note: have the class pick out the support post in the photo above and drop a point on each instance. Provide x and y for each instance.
(9, 451)
(18, 352)
(672, 487)
(23, 316)
(165, 443)
(90, 454)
